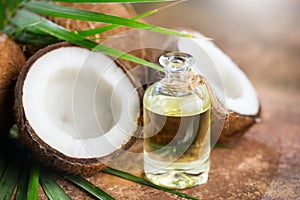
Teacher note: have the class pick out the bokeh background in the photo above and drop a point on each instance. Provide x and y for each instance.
(262, 36)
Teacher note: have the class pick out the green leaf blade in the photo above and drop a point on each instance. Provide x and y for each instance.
(95, 31)
(136, 179)
(114, 1)
(3, 163)
(89, 187)
(51, 188)
(10, 177)
(73, 13)
(19, 3)
(23, 183)
(33, 183)
(103, 29)
(119, 54)
(29, 38)
(3, 17)
(10, 5)
(46, 26)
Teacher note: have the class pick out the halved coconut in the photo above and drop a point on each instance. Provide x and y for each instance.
(11, 61)
(233, 89)
(76, 109)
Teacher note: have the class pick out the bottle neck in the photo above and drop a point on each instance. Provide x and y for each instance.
(177, 83)
(177, 67)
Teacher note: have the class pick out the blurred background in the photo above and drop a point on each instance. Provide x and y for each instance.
(262, 36)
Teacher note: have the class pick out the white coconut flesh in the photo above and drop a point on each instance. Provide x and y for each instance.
(231, 84)
(80, 102)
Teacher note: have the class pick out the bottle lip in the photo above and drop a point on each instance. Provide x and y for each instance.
(177, 61)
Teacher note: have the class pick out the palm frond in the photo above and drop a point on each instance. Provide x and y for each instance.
(3, 163)
(10, 177)
(53, 10)
(51, 188)
(37, 23)
(10, 6)
(140, 180)
(33, 184)
(103, 29)
(3, 16)
(89, 187)
(114, 1)
(23, 182)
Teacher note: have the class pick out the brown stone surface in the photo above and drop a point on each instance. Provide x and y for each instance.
(263, 37)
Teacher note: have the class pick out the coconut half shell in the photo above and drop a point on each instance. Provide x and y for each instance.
(76, 141)
(236, 100)
(11, 61)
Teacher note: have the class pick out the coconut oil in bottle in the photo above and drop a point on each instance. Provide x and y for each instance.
(177, 126)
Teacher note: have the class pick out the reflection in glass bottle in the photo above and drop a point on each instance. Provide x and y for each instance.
(177, 126)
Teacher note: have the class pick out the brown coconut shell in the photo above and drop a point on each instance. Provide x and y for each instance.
(234, 124)
(12, 60)
(41, 150)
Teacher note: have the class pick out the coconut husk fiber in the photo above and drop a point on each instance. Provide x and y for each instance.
(12, 60)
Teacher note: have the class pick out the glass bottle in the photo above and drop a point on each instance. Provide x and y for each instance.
(177, 126)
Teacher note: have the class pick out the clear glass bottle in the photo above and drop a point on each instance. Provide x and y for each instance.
(177, 126)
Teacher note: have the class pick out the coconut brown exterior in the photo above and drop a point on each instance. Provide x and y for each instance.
(12, 60)
(236, 125)
(41, 150)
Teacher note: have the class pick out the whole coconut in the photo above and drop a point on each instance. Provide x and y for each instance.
(11, 61)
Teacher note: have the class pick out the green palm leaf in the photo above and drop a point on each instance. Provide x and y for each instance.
(10, 178)
(3, 17)
(51, 188)
(103, 29)
(89, 187)
(3, 163)
(114, 1)
(23, 182)
(140, 180)
(33, 181)
(49, 9)
(37, 23)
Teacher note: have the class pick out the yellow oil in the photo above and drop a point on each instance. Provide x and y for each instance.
(176, 138)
